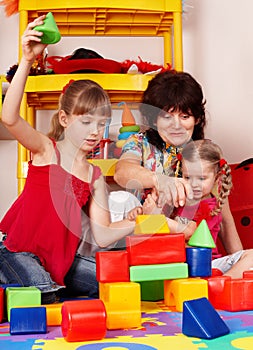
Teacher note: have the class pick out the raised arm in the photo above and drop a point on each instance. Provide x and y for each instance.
(17, 126)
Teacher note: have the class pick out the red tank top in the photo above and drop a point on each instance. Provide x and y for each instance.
(46, 218)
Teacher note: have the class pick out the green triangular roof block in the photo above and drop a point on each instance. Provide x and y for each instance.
(202, 237)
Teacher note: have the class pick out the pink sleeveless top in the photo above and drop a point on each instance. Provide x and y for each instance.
(46, 218)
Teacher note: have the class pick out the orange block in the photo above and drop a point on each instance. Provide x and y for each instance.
(53, 312)
(127, 117)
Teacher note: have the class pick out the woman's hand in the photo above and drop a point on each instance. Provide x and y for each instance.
(31, 40)
(171, 190)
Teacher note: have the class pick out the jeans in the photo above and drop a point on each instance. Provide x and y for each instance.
(26, 270)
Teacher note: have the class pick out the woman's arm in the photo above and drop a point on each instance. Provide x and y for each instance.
(130, 174)
(105, 232)
(228, 233)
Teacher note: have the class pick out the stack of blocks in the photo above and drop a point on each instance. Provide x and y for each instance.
(155, 265)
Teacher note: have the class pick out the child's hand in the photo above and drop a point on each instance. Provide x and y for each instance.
(150, 206)
(132, 215)
(189, 229)
(31, 42)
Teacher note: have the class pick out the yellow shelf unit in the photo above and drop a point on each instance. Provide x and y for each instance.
(145, 18)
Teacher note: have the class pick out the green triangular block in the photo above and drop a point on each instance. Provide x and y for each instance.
(202, 237)
(51, 34)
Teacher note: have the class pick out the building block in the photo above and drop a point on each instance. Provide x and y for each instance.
(201, 320)
(248, 274)
(155, 249)
(83, 320)
(112, 266)
(1, 304)
(4, 286)
(216, 286)
(216, 272)
(53, 311)
(152, 290)
(28, 320)
(238, 295)
(199, 261)
(158, 272)
(123, 304)
(22, 296)
(180, 290)
(155, 223)
(120, 295)
(202, 237)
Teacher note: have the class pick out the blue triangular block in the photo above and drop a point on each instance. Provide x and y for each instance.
(201, 320)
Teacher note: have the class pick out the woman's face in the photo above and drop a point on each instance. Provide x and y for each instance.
(175, 127)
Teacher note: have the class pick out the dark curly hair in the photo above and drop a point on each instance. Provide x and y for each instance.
(177, 91)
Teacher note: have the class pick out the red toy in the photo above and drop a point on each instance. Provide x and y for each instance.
(83, 320)
(112, 266)
(241, 200)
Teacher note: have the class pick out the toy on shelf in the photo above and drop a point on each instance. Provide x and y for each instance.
(128, 128)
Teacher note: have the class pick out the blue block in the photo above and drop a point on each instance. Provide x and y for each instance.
(199, 261)
(201, 320)
(28, 320)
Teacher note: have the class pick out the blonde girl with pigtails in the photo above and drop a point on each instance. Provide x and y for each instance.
(209, 175)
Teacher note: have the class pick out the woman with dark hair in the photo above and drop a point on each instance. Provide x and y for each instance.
(173, 106)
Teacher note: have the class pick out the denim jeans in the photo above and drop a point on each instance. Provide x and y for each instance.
(26, 270)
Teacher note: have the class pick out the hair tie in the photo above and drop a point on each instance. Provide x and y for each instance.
(222, 162)
(67, 85)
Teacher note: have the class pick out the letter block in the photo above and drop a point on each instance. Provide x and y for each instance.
(156, 249)
(28, 320)
(179, 290)
(123, 304)
(83, 320)
(22, 296)
(112, 266)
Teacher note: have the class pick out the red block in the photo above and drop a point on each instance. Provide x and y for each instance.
(112, 266)
(1, 304)
(248, 274)
(149, 249)
(230, 294)
(83, 320)
(216, 272)
(216, 286)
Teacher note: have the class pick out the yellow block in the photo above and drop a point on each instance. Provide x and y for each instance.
(123, 319)
(54, 316)
(122, 302)
(150, 224)
(120, 295)
(180, 290)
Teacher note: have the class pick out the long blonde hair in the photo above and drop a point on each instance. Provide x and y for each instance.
(79, 97)
(212, 153)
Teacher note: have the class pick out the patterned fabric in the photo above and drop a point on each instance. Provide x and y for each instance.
(152, 158)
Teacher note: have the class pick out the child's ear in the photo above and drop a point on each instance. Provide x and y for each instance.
(63, 118)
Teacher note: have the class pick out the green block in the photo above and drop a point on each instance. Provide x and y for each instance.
(51, 34)
(22, 296)
(158, 272)
(152, 290)
(202, 237)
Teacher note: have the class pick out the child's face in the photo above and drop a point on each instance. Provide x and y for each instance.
(201, 176)
(175, 128)
(86, 131)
